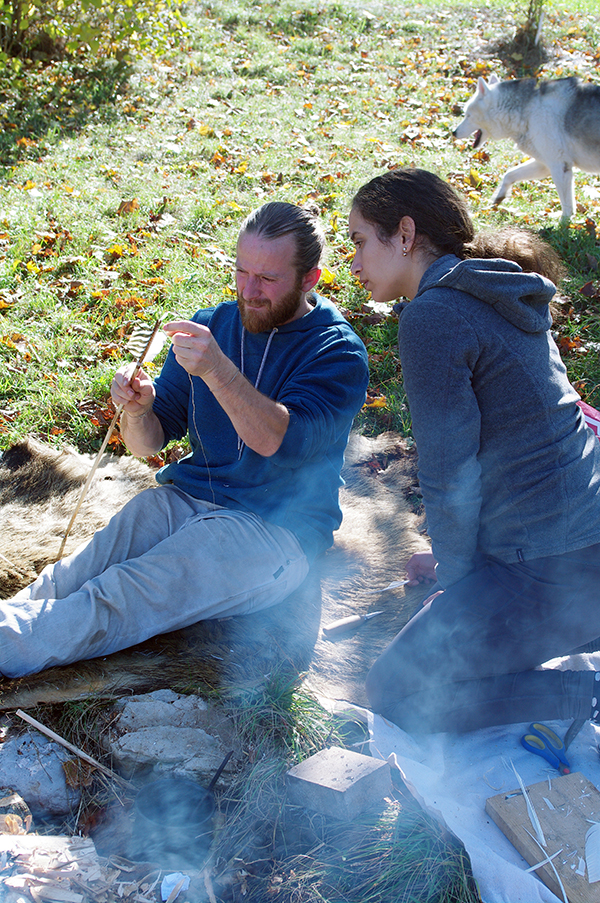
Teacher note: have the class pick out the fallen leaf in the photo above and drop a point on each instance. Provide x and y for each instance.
(128, 207)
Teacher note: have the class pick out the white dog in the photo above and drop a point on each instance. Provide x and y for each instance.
(557, 123)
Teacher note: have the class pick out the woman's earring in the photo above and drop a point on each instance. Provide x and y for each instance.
(404, 250)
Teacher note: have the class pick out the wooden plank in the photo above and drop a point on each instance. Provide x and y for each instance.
(565, 806)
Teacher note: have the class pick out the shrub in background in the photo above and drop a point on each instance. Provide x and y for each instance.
(53, 28)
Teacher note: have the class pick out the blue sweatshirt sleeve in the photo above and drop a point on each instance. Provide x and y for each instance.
(323, 397)
(438, 349)
(172, 396)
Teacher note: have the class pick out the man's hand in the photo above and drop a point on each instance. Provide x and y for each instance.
(197, 351)
(259, 421)
(420, 568)
(140, 427)
(137, 395)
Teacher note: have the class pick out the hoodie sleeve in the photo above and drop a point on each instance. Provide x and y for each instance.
(438, 350)
(322, 398)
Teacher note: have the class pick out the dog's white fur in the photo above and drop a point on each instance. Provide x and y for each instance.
(556, 123)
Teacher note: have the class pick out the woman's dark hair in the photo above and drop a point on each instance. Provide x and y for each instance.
(279, 218)
(443, 222)
(531, 252)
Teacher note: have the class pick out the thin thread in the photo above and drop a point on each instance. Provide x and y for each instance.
(231, 380)
(195, 423)
(260, 371)
(256, 384)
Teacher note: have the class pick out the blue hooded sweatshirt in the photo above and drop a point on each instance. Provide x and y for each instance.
(318, 368)
(507, 467)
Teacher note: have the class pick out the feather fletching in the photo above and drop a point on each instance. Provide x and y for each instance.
(146, 341)
(592, 853)
(533, 816)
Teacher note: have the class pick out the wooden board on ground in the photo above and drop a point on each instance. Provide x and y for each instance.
(378, 535)
(565, 806)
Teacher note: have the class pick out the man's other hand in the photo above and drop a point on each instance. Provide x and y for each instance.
(137, 395)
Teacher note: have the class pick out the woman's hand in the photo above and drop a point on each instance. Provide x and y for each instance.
(420, 568)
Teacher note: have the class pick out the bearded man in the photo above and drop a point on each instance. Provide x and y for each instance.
(266, 390)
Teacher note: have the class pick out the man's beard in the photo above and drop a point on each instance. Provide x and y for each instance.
(266, 319)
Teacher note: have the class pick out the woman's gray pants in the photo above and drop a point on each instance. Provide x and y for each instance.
(468, 659)
(165, 561)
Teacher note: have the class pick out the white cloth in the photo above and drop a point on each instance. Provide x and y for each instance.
(452, 775)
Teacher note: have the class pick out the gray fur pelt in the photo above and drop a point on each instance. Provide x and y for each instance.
(39, 487)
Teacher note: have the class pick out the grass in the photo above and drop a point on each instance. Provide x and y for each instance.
(401, 855)
(264, 846)
(269, 847)
(123, 188)
(279, 716)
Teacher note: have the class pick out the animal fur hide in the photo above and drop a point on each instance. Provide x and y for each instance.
(39, 488)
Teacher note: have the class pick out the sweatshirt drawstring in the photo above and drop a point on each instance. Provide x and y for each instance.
(240, 443)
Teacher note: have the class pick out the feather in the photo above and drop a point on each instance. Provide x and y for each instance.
(392, 585)
(592, 853)
(538, 865)
(141, 357)
(548, 860)
(146, 341)
(533, 817)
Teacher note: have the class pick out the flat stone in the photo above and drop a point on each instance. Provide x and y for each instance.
(339, 783)
(184, 750)
(171, 733)
(162, 707)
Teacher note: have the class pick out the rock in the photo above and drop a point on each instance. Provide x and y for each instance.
(162, 707)
(171, 733)
(32, 766)
(339, 783)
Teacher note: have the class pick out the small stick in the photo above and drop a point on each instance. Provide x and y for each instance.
(109, 433)
(13, 566)
(74, 749)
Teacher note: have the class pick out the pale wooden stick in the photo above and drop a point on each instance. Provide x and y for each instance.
(13, 566)
(86, 485)
(109, 433)
(74, 749)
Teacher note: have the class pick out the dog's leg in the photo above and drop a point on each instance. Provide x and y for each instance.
(531, 169)
(562, 174)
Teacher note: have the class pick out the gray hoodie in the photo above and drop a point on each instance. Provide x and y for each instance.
(507, 467)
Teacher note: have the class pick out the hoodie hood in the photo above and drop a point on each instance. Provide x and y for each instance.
(521, 298)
